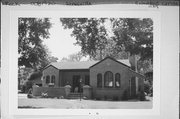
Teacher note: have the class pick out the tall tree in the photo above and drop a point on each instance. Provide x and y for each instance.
(32, 51)
(134, 36)
(76, 57)
(90, 33)
(129, 35)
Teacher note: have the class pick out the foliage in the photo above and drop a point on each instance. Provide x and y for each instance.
(24, 72)
(134, 35)
(28, 85)
(115, 98)
(35, 75)
(52, 59)
(90, 33)
(128, 35)
(32, 52)
(147, 87)
(142, 96)
(73, 57)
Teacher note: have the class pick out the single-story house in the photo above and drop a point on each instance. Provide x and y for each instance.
(105, 79)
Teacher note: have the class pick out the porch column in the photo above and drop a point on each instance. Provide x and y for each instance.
(87, 91)
(67, 90)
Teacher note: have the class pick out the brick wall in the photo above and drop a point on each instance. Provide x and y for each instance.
(50, 71)
(114, 67)
(52, 92)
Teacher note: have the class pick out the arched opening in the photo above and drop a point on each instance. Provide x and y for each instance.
(108, 79)
(117, 80)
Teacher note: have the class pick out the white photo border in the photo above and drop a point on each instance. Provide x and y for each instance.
(48, 12)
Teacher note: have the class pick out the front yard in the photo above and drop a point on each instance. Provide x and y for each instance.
(23, 102)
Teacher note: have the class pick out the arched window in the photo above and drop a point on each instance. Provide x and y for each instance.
(47, 79)
(52, 79)
(117, 80)
(99, 80)
(108, 79)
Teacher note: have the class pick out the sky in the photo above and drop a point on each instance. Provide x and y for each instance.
(60, 43)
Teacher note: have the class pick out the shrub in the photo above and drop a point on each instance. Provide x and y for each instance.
(147, 87)
(98, 98)
(142, 96)
(105, 97)
(115, 98)
(125, 95)
(27, 86)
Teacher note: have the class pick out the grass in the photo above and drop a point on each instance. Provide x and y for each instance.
(83, 104)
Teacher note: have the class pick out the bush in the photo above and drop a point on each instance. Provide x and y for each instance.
(142, 96)
(28, 85)
(115, 98)
(147, 87)
(98, 98)
(23, 89)
(105, 97)
(125, 95)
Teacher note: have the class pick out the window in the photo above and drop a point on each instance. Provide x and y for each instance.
(86, 80)
(52, 79)
(117, 80)
(108, 79)
(99, 80)
(47, 79)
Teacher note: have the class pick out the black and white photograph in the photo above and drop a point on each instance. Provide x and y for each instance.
(85, 63)
(100, 61)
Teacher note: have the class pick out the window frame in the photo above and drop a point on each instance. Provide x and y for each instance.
(53, 79)
(48, 80)
(109, 78)
(116, 78)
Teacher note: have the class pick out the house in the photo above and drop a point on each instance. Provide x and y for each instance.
(105, 79)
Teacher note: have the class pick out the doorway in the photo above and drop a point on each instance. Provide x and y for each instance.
(76, 83)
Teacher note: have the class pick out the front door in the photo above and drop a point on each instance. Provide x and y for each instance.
(76, 83)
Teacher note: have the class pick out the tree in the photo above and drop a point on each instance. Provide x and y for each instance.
(76, 57)
(134, 35)
(90, 33)
(32, 52)
(35, 75)
(129, 35)
(52, 59)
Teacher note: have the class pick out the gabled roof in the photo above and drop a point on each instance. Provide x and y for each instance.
(73, 65)
(82, 64)
(123, 62)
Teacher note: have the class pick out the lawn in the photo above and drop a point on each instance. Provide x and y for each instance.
(83, 104)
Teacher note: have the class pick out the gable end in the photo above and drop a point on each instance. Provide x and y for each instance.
(111, 59)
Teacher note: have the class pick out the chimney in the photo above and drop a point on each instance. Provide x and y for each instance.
(133, 61)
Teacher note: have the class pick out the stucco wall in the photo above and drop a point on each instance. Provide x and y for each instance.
(50, 71)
